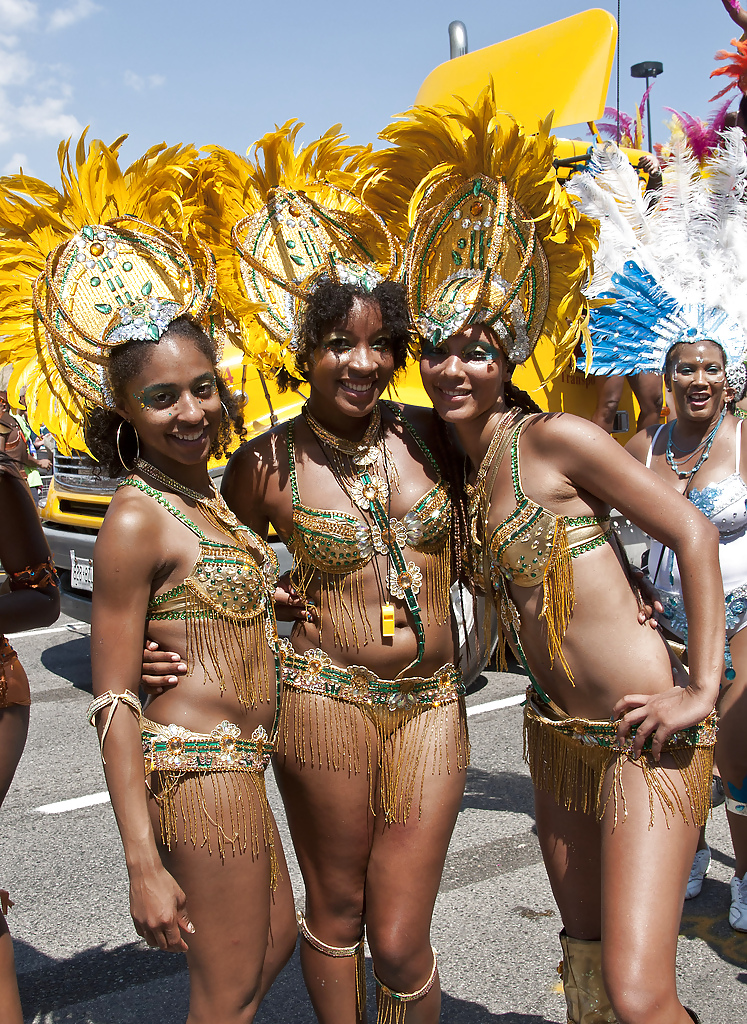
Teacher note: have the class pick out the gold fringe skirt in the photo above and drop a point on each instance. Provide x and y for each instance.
(419, 725)
(571, 757)
(210, 788)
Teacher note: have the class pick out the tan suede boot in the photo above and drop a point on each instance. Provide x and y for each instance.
(585, 997)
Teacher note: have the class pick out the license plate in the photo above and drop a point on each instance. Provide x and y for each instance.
(81, 573)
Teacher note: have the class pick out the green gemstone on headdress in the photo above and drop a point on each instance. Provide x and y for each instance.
(456, 258)
(299, 260)
(120, 282)
(88, 233)
(461, 243)
(437, 335)
(153, 331)
(127, 266)
(477, 187)
(147, 288)
(290, 243)
(103, 307)
(95, 282)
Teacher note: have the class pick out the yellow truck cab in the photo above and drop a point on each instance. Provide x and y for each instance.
(563, 67)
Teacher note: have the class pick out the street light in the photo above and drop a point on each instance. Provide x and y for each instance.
(647, 69)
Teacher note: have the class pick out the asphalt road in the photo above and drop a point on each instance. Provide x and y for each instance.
(495, 923)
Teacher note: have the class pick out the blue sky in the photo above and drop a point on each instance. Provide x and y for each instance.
(223, 71)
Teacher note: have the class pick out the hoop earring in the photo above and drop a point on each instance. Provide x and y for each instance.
(119, 450)
(225, 411)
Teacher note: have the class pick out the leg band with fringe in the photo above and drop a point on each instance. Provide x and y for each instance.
(570, 758)
(182, 766)
(357, 950)
(393, 1005)
(411, 719)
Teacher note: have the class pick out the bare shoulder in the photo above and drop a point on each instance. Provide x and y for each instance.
(639, 445)
(421, 419)
(132, 538)
(256, 479)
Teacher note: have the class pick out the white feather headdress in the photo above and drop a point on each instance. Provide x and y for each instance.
(672, 267)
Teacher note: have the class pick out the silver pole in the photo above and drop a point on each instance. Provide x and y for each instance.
(458, 39)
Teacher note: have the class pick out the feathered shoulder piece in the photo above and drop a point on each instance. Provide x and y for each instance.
(89, 265)
(674, 270)
(493, 236)
(281, 220)
(735, 68)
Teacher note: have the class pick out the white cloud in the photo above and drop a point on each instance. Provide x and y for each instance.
(16, 162)
(139, 83)
(63, 17)
(38, 117)
(17, 13)
(15, 67)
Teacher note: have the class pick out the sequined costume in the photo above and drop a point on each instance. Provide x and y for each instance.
(725, 504)
(226, 605)
(410, 715)
(571, 757)
(14, 684)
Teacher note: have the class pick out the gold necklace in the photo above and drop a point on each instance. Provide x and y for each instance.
(213, 508)
(351, 459)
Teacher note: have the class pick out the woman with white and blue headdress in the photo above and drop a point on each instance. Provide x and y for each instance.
(674, 280)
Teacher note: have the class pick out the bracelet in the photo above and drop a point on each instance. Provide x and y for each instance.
(114, 699)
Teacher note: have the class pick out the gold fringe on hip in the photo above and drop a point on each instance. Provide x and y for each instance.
(570, 758)
(558, 596)
(416, 722)
(232, 782)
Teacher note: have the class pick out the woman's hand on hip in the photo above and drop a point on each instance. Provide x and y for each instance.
(659, 715)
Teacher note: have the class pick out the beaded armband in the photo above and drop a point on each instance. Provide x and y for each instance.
(113, 700)
(33, 577)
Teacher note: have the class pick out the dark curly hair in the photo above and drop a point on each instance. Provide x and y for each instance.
(125, 362)
(329, 306)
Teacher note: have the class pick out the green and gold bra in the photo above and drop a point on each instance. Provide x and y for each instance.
(534, 546)
(226, 604)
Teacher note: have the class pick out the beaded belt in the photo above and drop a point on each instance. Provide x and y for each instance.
(604, 734)
(314, 672)
(173, 748)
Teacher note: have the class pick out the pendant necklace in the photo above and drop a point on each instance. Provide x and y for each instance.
(706, 444)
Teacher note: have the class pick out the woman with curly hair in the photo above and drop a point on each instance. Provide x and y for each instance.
(119, 323)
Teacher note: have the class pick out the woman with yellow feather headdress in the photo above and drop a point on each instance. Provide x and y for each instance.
(495, 263)
(373, 746)
(110, 318)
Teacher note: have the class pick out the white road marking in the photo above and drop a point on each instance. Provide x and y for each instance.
(74, 804)
(103, 798)
(496, 705)
(69, 627)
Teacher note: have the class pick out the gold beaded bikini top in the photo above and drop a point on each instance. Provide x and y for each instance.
(522, 546)
(337, 543)
(226, 604)
(534, 546)
(227, 580)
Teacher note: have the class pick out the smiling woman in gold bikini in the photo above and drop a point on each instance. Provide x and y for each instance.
(617, 803)
(186, 776)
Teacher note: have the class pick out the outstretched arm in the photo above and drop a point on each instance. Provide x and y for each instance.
(127, 559)
(737, 14)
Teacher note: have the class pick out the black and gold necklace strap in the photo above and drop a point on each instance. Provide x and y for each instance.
(400, 565)
(350, 448)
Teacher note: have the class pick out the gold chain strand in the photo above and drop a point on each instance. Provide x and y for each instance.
(213, 507)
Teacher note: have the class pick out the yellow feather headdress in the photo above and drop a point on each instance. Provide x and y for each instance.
(493, 236)
(91, 266)
(281, 221)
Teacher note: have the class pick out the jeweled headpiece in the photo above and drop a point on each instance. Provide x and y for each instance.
(282, 222)
(474, 257)
(674, 271)
(493, 238)
(85, 268)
